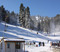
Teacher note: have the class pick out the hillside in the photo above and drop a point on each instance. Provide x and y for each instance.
(19, 32)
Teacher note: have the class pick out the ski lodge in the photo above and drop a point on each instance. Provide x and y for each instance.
(12, 45)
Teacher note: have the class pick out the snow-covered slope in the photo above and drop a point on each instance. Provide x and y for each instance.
(19, 32)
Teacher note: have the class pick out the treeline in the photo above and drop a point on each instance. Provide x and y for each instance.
(24, 19)
(7, 16)
(3, 14)
(47, 24)
(41, 24)
(24, 16)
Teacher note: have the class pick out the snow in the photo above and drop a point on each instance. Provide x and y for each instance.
(46, 48)
(12, 39)
(1, 38)
(28, 35)
(19, 32)
(36, 17)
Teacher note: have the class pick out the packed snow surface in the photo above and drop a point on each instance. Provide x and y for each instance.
(19, 32)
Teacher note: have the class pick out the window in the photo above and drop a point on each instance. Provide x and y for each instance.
(17, 46)
(8, 45)
(1, 45)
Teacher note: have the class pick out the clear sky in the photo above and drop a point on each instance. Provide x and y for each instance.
(48, 8)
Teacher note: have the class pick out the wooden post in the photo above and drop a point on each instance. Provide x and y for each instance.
(24, 47)
(5, 46)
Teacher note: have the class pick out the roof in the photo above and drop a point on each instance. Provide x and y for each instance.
(14, 40)
(1, 38)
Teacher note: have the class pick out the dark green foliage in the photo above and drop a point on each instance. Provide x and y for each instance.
(22, 14)
(3, 13)
(12, 13)
(39, 26)
(7, 19)
(31, 24)
(27, 17)
(57, 19)
(28, 10)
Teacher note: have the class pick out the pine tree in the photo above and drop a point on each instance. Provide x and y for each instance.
(12, 13)
(22, 15)
(31, 24)
(7, 19)
(3, 14)
(38, 26)
(27, 17)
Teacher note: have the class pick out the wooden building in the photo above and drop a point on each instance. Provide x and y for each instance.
(12, 45)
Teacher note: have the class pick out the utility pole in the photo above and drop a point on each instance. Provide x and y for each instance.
(5, 27)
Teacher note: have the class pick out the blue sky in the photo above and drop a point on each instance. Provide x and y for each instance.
(48, 8)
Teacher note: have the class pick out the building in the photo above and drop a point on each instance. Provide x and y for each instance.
(1, 43)
(12, 45)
